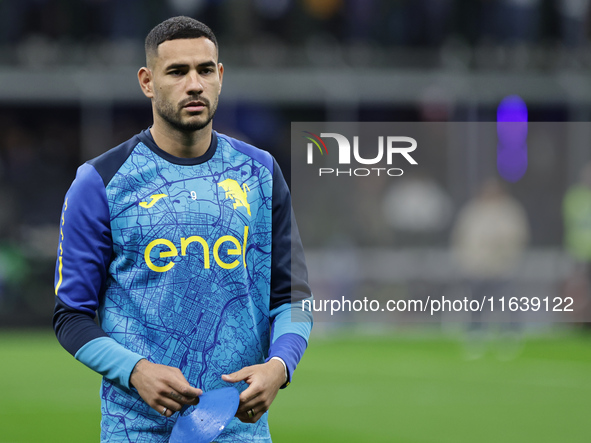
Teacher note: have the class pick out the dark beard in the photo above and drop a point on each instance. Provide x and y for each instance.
(169, 115)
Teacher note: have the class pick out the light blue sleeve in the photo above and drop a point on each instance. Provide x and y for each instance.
(290, 330)
(291, 318)
(110, 359)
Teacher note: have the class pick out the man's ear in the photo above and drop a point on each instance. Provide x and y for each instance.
(221, 71)
(144, 75)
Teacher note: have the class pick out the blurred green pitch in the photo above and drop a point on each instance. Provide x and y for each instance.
(356, 389)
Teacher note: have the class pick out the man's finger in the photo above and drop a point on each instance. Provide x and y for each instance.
(183, 391)
(182, 398)
(234, 377)
(248, 395)
(245, 417)
(186, 394)
(171, 407)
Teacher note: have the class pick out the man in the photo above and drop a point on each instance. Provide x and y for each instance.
(184, 242)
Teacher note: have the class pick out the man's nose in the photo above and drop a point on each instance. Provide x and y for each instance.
(194, 84)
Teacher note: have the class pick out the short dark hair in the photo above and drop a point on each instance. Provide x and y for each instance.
(177, 28)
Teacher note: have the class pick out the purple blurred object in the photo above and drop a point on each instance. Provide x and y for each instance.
(512, 133)
(208, 419)
(512, 162)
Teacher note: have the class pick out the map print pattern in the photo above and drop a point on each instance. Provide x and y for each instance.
(205, 321)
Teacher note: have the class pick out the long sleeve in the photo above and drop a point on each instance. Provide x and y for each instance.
(83, 256)
(291, 325)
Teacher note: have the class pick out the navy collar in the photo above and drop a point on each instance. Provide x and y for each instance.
(146, 138)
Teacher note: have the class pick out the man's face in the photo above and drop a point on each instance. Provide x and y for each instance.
(186, 82)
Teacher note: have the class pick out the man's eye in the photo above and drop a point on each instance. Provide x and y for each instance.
(175, 72)
(206, 71)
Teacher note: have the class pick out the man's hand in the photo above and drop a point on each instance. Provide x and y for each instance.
(264, 380)
(164, 388)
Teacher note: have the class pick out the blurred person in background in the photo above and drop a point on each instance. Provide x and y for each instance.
(137, 229)
(576, 211)
(419, 208)
(113, 18)
(574, 19)
(574, 29)
(13, 266)
(488, 241)
(518, 21)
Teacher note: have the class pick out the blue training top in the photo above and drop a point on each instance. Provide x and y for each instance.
(191, 263)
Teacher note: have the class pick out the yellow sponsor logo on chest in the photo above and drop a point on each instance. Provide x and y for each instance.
(172, 251)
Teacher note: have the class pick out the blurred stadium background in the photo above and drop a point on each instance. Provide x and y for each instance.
(68, 91)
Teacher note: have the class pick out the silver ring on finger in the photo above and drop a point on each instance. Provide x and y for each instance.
(164, 411)
(250, 413)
